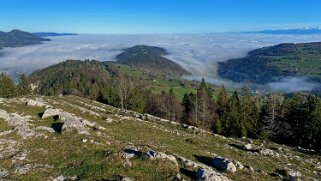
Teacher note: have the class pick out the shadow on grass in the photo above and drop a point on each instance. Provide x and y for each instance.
(40, 114)
(188, 173)
(57, 127)
(203, 159)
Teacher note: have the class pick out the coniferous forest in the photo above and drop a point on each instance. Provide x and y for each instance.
(293, 119)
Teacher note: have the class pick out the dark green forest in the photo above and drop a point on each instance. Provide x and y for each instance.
(288, 119)
(150, 59)
(269, 64)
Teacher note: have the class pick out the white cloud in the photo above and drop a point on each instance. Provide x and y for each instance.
(293, 84)
(198, 54)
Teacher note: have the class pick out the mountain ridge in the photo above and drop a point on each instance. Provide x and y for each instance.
(18, 38)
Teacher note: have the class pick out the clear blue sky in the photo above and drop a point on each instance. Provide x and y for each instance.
(157, 16)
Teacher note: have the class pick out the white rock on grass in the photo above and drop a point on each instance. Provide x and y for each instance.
(126, 179)
(210, 175)
(160, 155)
(37, 103)
(224, 164)
(44, 128)
(187, 162)
(50, 112)
(268, 152)
(3, 173)
(19, 123)
(248, 146)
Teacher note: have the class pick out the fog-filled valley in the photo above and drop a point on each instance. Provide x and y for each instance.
(197, 53)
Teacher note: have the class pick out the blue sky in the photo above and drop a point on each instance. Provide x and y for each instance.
(157, 16)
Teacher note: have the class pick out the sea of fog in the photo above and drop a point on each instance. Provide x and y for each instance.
(197, 53)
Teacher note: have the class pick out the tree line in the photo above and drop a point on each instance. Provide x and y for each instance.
(9, 89)
(288, 119)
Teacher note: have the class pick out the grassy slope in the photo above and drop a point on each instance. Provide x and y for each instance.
(69, 156)
(157, 84)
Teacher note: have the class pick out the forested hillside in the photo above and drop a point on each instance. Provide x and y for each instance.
(150, 59)
(17, 38)
(288, 119)
(272, 63)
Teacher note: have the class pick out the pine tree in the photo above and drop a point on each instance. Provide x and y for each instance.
(231, 122)
(7, 87)
(24, 87)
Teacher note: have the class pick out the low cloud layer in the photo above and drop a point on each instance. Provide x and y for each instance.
(294, 84)
(198, 54)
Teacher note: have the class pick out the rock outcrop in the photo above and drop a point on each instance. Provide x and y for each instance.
(210, 175)
(224, 164)
(160, 155)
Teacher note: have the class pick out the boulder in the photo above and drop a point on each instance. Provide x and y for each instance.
(187, 162)
(224, 164)
(50, 112)
(126, 179)
(160, 155)
(210, 175)
(72, 122)
(3, 173)
(19, 123)
(294, 175)
(35, 103)
(269, 152)
(44, 128)
(248, 146)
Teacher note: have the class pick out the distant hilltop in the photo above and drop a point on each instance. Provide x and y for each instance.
(18, 38)
(298, 31)
(46, 34)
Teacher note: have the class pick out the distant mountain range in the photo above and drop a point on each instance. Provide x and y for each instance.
(46, 34)
(299, 31)
(18, 38)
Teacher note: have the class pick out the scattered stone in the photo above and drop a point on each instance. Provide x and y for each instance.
(248, 146)
(36, 103)
(269, 152)
(3, 173)
(84, 140)
(188, 162)
(224, 164)
(160, 155)
(126, 179)
(3, 133)
(294, 175)
(23, 169)
(44, 128)
(51, 112)
(238, 164)
(8, 148)
(72, 122)
(210, 175)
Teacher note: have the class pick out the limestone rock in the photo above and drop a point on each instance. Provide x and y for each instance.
(126, 179)
(224, 164)
(50, 112)
(3, 173)
(248, 146)
(37, 103)
(210, 175)
(188, 162)
(268, 152)
(72, 122)
(160, 155)
(44, 128)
